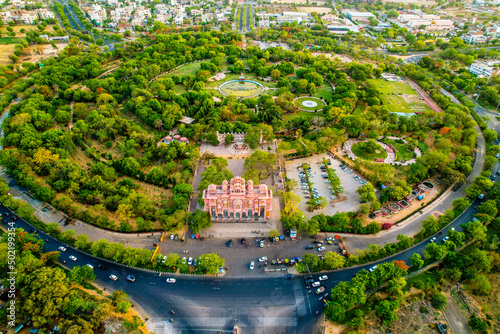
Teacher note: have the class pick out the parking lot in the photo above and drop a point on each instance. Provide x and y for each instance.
(348, 200)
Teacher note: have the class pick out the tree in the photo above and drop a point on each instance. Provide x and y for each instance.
(477, 324)
(82, 274)
(416, 261)
(439, 301)
(259, 166)
(229, 139)
(210, 263)
(42, 292)
(386, 310)
(367, 192)
(476, 230)
(481, 285)
(198, 220)
(333, 260)
(435, 252)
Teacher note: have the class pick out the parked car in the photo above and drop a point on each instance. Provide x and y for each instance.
(176, 237)
(62, 249)
(262, 259)
(113, 277)
(130, 278)
(308, 277)
(315, 284)
(289, 277)
(433, 239)
(323, 278)
(243, 241)
(229, 243)
(90, 266)
(171, 280)
(321, 249)
(252, 265)
(102, 266)
(190, 261)
(446, 238)
(372, 269)
(171, 237)
(309, 247)
(320, 290)
(72, 258)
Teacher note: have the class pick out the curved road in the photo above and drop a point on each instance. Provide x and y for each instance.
(208, 304)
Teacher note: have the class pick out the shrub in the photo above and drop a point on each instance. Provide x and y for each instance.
(386, 226)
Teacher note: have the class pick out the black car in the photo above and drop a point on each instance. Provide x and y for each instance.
(243, 241)
(176, 237)
(102, 266)
(309, 247)
(14, 217)
(308, 277)
(6, 213)
(309, 281)
(229, 243)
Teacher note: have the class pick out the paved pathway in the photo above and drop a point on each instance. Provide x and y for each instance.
(455, 318)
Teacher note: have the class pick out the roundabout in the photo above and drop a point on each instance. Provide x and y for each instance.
(309, 103)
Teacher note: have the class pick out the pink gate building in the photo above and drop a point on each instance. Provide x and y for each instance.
(237, 201)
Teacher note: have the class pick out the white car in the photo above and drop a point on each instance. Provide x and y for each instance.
(446, 238)
(321, 249)
(171, 280)
(113, 277)
(372, 269)
(62, 249)
(252, 265)
(190, 261)
(171, 237)
(90, 266)
(433, 239)
(315, 284)
(72, 258)
(323, 278)
(262, 259)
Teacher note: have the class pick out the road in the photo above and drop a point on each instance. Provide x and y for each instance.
(208, 304)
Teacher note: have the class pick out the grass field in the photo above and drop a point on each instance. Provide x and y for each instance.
(324, 91)
(298, 103)
(10, 40)
(5, 51)
(288, 117)
(17, 29)
(185, 70)
(391, 95)
(360, 153)
(403, 154)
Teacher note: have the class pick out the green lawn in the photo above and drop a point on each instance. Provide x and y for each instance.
(179, 89)
(288, 117)
(390, 95)
(424, 148)
(298, 103)
(324, 91)
(185, 70)
(358, 150)
(11, 40)
(403, 154)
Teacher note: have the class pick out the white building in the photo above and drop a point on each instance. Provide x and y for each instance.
(45, 14)
(293, 17)
(474, 38)
(407, 17)
(359, 16)
(482, 69)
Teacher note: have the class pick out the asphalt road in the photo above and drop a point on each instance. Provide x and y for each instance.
(209, 304)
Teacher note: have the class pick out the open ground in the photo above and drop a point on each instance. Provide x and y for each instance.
(399, 96)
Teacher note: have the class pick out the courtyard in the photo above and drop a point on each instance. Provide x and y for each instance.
(348, 200)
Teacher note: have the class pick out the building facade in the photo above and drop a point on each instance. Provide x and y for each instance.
(238, 201)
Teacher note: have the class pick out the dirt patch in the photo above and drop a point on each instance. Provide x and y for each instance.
(411, 98)
(5, 51)
(414, 319)
(319, 10)
(331, 328)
